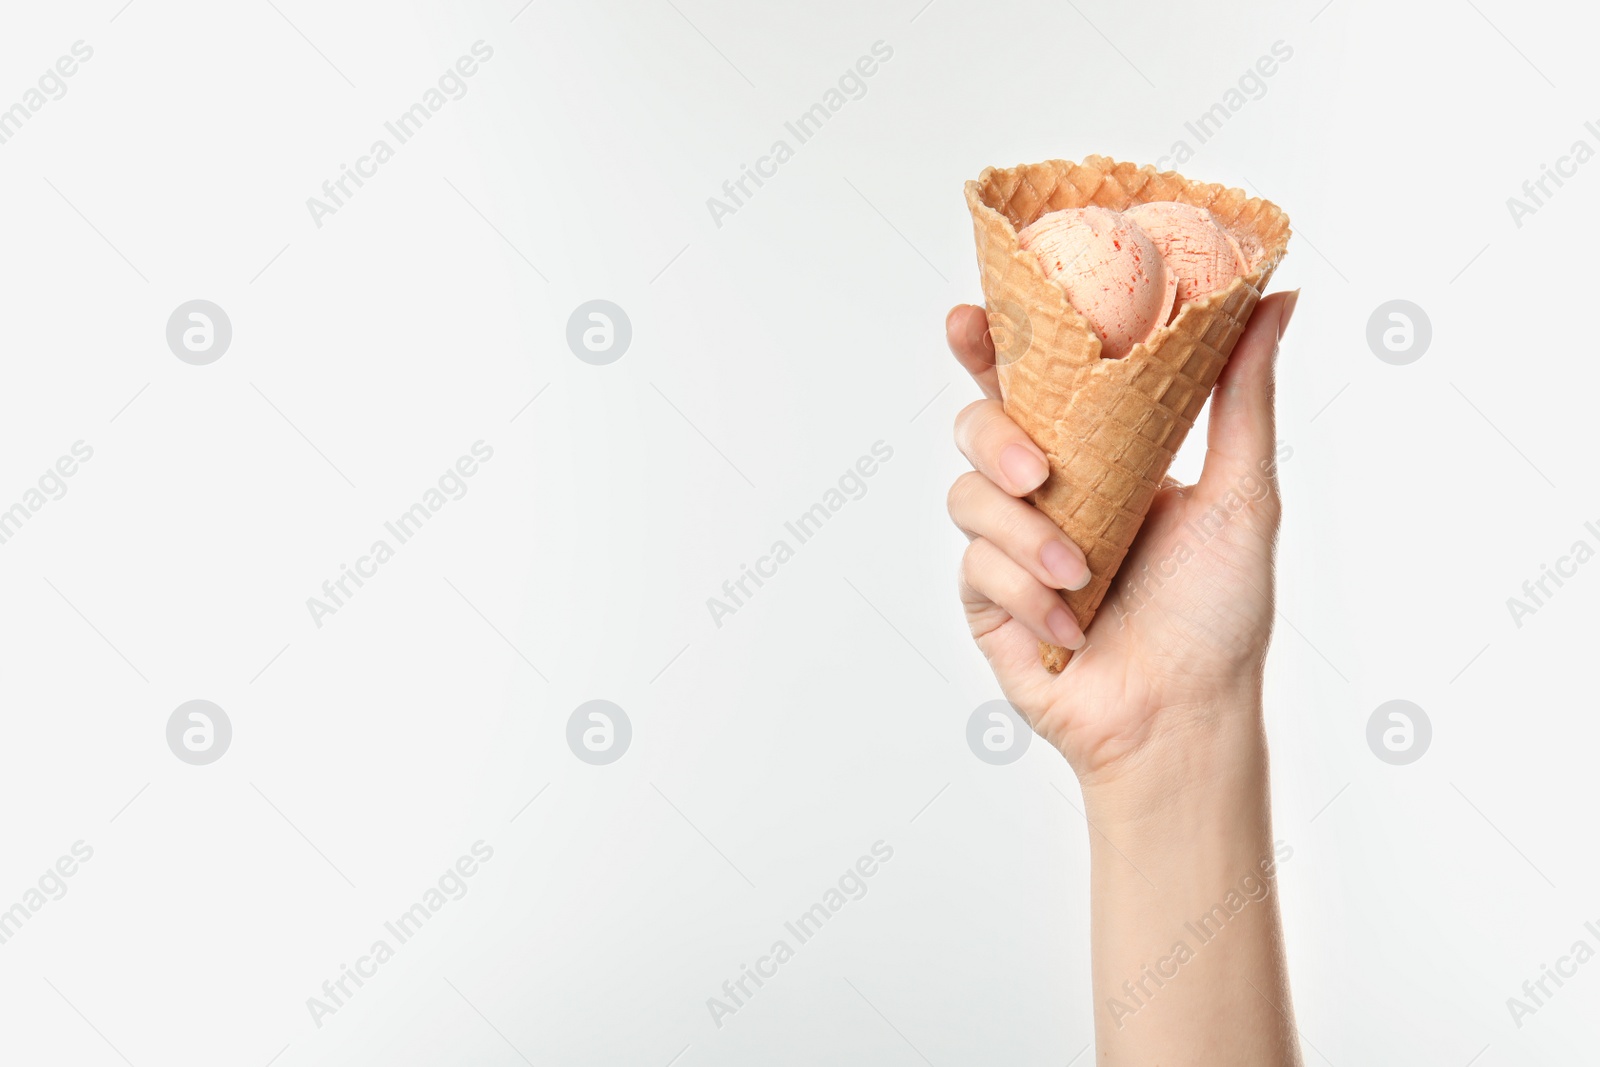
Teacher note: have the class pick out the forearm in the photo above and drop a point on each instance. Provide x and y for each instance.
(1187, 942)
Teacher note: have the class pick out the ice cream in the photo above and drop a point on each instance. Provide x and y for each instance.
(1130, 272)
(1113, 273)
(1203, 255)
(1109, 427)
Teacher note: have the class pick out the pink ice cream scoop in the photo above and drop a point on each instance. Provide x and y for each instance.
(1204, 256)
(1113, 273)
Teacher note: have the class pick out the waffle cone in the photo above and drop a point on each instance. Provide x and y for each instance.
(1109, 427)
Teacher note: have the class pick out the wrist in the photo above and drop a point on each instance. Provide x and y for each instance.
(1201, 765)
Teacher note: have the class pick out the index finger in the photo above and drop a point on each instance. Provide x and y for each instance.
(967, 330)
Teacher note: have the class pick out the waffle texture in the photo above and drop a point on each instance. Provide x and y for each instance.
(1109, 427)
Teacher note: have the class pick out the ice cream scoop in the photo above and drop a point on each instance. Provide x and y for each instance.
(1113, 273)
(1204, 256)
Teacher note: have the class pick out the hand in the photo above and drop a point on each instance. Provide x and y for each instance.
(1181, 635)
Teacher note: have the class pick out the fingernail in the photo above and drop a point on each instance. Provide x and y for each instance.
(1288, 313)
(1067, 570)
(1024, 469)
(1066, 631)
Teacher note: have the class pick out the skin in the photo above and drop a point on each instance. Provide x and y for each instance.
(1159, 714)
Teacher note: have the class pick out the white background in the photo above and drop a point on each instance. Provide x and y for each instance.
(768, 354)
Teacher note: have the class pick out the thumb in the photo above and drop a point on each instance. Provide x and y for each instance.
(1241, 440)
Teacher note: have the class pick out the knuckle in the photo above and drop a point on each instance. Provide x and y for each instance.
(970, 561)
(964, 418)
(1014, 522)
(984, 567)
(973, 420)
(972, 410)
(1040, 601)
(1020, 593)
(960, 498)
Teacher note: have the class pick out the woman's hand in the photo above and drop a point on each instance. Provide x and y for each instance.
(1159, 713)
(1179, 641)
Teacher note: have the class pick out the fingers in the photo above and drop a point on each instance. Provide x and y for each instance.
(982, 509)
(1242, 438)
(966, 329)
(999, 449)
(988, 574)
(1018, 558)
